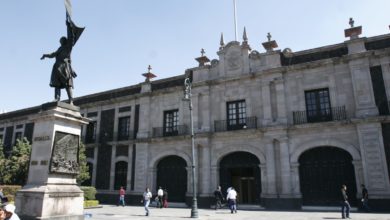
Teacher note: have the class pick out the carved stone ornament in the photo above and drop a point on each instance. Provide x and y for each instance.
(65, 154)
(233, 60)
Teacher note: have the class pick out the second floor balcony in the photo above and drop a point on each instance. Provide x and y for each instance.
(329, 114)
(229, 125)
(170, 131)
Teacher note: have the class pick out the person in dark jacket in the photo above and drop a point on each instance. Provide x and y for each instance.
(365, 198)
(218, 198)
(344, 203)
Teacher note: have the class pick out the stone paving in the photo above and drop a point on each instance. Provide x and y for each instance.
(137, 212)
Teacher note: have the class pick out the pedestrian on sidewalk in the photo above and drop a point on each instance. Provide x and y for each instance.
(165, 198)
(232, 198)
(122, 196)
(146, 200)
(160, 194)
(218, 198)
(344, 203)
(365, 206)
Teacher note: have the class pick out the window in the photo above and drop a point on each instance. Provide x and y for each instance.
(120, 175)
(318, 105)
(236, 115)
(1, 138)
(18, 136)
(171, 120)
(91, 132)
(124, 128)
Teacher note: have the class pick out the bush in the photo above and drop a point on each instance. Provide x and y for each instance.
(91, 203)
(89, 192)
(9, 191)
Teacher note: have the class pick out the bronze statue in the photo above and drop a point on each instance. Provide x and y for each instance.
(62, 74)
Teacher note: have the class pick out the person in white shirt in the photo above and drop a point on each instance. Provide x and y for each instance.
(10, 212)
(231, 198)
(146, 199)
(160, 194)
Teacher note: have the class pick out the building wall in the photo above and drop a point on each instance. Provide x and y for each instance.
(272, 92)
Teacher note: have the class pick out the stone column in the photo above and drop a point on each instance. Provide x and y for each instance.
(296, 188)
(266, 102)
(51, 191)
(141, 172)
(112, 170)
(95, 155)
(281, 100)
(359, 176)
(374, 159)
(264, 185)
(285, 166)
(271, 177)
(129, 167)
(204, 170)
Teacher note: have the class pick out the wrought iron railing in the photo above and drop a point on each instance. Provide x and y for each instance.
(228, 125)
(125, 136)
(171, 131)
(331, 114)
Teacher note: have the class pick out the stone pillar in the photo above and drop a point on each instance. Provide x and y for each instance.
(285, 166)
(51, 191)
(266, 102)
(95, 155)
(141, 172)
(271, 177)
(374, 160)
(112, 170)
(281, 101)
(296, 187)
(359, 176)
(129, 167)
(204, 168)
(264, 185)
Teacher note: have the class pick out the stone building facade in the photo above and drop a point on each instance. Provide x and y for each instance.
(286, 129)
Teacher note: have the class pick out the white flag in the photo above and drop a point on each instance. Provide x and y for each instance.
(68, 6)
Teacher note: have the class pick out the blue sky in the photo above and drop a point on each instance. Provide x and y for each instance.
(122, 37)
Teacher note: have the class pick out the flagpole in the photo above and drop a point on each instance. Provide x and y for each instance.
(235, 20)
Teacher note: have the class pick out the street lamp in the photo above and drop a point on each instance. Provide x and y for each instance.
(187, 97)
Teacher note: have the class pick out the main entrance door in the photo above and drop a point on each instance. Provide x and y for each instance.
(241, 170)
(322, 171)
(172, 176)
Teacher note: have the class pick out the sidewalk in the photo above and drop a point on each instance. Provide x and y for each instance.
(137, 212)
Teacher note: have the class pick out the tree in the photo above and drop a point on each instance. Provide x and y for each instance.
(14, 169)
(84, 169)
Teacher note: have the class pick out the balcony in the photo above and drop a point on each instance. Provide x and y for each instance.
(333, 114)
(125, 136)
(174, 131)
(224, 125)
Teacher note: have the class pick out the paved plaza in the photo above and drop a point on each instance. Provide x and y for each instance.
(137, 212)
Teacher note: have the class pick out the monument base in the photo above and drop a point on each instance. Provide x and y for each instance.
(50, 202)
(51, 191)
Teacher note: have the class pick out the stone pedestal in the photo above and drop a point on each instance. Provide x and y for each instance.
(51, 191)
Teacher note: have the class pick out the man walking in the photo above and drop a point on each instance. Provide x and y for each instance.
(231, 197)
(160, 194)
(218, 198)
(146, 200)
(344, 204)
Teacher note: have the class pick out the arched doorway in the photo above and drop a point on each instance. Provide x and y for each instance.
(172, 176)
(120, 174)
(322, 171)
(242, 171)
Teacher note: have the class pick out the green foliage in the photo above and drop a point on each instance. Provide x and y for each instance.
(14, 169)
(90, 203)
(89, 192)
(10, 191)
(84, 174)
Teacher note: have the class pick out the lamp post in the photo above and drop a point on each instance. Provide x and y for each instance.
(187, 97)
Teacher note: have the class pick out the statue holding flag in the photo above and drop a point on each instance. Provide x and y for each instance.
(62, 74)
